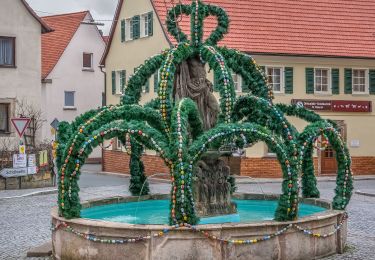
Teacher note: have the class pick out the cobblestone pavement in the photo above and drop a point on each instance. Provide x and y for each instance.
(25, 222)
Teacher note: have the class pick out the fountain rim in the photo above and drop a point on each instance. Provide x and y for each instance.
(329, 213)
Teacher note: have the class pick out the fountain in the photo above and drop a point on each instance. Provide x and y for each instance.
(187, 127)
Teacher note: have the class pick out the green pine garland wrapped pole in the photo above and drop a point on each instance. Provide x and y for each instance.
(138, 181)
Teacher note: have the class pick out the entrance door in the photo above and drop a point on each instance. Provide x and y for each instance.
(328, 156)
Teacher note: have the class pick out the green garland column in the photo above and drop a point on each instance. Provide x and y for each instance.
(309, 183)
(138, 181)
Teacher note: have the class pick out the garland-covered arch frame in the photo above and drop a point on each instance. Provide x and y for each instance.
(165, 126)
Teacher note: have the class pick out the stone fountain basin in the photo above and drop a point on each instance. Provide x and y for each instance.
(292, 244)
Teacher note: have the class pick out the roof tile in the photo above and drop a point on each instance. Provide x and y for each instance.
(343, 28)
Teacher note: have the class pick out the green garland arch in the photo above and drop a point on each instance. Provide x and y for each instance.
(174, 129)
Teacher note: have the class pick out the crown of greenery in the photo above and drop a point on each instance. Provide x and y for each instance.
(174, 129)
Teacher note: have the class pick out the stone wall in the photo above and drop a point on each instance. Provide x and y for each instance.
(39, 180)
(265, 167)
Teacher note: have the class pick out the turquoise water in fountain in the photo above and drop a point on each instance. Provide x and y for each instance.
(157, 211)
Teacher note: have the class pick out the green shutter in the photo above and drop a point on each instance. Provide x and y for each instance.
(147, 86)
(150, 23)
(309, 80)
(136, 21)
(216, 82)
(245, 86)
(372, 82)
(113, 82)
(335, 73)
(156, 82)
(288, 80)
(123, 29)
(123, 82)
(348, 81)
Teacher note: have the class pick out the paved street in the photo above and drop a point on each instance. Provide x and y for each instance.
(25, 221)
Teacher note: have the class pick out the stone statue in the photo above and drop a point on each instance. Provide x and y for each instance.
(212, 190)
(191, 82)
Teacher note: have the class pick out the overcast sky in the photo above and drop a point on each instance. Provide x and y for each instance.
(100, 9)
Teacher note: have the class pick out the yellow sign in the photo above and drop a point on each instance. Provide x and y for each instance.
(22, 149)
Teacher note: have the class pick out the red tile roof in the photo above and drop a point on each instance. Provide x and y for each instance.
(45, 27)
(343, 28)
(55, 43)
(335, 28)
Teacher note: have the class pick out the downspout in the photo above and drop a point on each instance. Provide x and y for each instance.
(104, 102)
(104, 98)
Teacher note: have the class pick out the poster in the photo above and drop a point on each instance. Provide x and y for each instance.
(31, 160)
(43, 158)
(31, 170)
(19, 160)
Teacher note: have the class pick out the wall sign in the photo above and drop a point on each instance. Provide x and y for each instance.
(334, 105)
(19, 160)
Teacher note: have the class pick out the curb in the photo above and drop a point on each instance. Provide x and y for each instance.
(36, 193)
(364, 193)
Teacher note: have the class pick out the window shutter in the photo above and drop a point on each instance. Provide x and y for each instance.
(123, 30)
(113, 82)
(156, 82)
(288, 71)
(348, 81)
(372, 82)
(216, 82)
(123, 82)
(245, 87)
(309, 80)
(136, 26)
(150, 23)
(147, 86)
(263, 68)
(335, 81)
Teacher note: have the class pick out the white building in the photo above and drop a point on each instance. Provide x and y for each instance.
(72, 82)
(20, 61)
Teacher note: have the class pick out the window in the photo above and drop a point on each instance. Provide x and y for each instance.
(118, 144)
(275, 78)
(69, 99)
(87, 61)
(360, 82)
(322, 80)
(147, 24)
(4, 118)
(129, 29)
(237, 81)
(121, 81)
(7, 51)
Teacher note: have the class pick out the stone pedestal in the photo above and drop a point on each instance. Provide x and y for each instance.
(212, 189)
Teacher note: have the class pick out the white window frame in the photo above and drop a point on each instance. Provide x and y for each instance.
(238, 89)
(128, 29)
(144, 25)
(329, 79)
(367, 82)
(92, 61)
(282, 81)
(119, 81)
(74, 100)
(118, 144)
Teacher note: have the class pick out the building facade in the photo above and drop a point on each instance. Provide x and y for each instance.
(72, 82)
(20, 63)
(317, 55)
